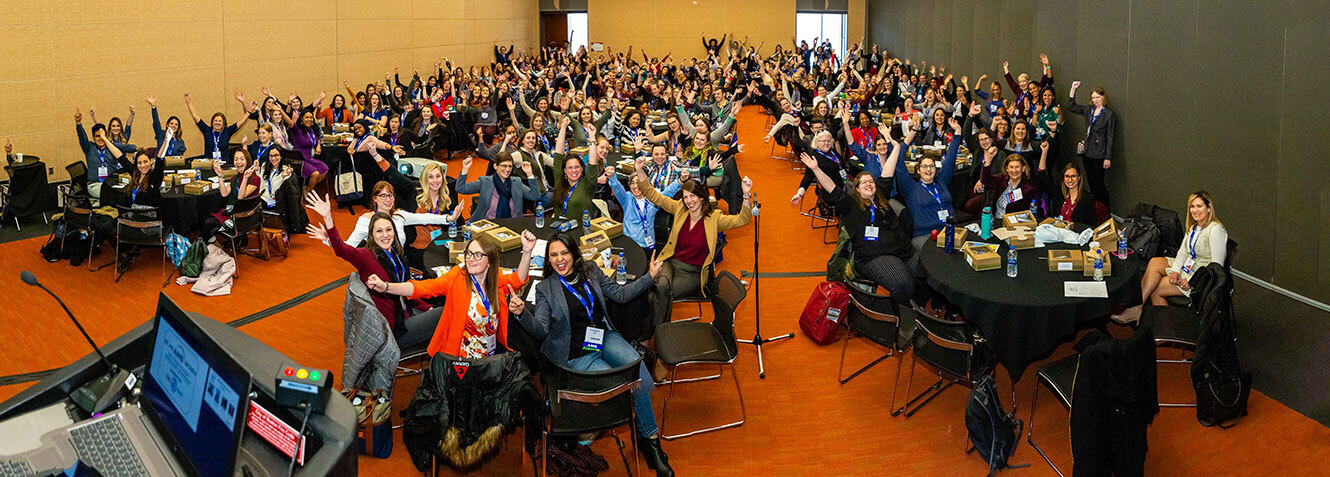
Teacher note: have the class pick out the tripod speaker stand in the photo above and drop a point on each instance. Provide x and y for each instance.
(758, 340)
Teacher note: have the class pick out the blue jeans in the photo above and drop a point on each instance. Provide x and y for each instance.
(616, 352)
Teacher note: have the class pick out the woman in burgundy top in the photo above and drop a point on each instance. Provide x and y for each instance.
(692, 245)
(1071, 200)
(381, 256)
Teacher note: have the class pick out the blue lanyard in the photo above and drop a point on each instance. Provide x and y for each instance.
(337, 115)
(932, 189)
(1191, 240)
(1092, 120)
(101, 157)
(570, 197)
(872, 214)
(398, 268)
(484, 300)
(361, 141)
(642, 213)
(544, 140)
(863, 131)
(587, 302)
(216, 141)
(263, 152)
(832, 157)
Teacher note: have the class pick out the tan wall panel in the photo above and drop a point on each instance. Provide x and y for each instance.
(676, 26)
(83, 49)
(441, 9)
(27, 12)
(291, 10)
(42, 145)
(356, 36)
(375, 9)
(257, 40)
(29, 53)
(108, 54)
(119, 12)
(441, 32)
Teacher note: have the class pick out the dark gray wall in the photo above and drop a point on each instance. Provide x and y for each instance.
(1226, 96)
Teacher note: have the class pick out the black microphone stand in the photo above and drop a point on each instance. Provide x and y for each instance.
(758, 340)
(97, 395)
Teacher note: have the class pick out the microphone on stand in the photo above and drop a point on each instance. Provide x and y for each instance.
(95, 396)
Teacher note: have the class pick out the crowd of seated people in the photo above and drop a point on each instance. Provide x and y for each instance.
(554, 123)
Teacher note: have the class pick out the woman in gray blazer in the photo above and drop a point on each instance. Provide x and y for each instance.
(1096, 150)
(500, 196)
(575, 332)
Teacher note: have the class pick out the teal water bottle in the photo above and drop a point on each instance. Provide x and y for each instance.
(986, 223)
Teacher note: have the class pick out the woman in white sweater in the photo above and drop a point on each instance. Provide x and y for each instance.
(1204, 241)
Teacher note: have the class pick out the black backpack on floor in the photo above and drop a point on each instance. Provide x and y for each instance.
(993, 432)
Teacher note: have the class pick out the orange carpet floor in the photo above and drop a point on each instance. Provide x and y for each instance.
(800, 421)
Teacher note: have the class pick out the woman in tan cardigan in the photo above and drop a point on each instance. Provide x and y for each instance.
(689, 253)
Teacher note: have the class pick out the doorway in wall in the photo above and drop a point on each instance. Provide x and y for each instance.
(824, 27)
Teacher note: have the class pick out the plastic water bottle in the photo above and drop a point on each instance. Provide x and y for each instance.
(466, 234)
(1034, 210)
(1099, 265)
(540, 215)
(1122, 247)
(452, 230)
(986, 223)
(621, 277)
(1011, 261)
(949, 240)
(586, 219)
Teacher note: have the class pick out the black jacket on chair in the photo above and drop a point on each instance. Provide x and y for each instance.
(1114, 399)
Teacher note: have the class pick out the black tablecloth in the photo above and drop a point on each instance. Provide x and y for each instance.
(1025, 317)
(28, 193)
(181, 212)
(631, 319)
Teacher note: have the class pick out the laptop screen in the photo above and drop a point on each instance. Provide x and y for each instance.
(196, 393)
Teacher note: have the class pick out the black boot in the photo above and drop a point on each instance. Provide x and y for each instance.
(655, 456)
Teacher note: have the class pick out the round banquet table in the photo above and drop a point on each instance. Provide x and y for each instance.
(632, 319)
(1025, 317)
(180, 212)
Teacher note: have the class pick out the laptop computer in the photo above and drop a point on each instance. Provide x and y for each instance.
(189, 419)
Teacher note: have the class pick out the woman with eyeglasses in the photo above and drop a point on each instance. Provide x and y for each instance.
(1204, 241)
(929, 197)
(575, 330)
(473, 323)
(1070, 201)
(500, 196)
(384, 197)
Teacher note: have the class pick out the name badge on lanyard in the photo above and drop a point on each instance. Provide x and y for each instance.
(216, 146)
(648, 235)
(1190, 264)
(871, 231)
(1015, 195)
(102, 170)
(595, 339)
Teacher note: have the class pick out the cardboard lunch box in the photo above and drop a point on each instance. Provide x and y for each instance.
(1056, 222)
(1087, 265)
(960, 234)
(982, 256)
(504, 238)
(176, 161)
(594, 241)
(198, 187)
(455, 250)
(480, 226)
(1023, 217)
(1065, 261)
(201, 164)
(1107, 236)
(611, 228)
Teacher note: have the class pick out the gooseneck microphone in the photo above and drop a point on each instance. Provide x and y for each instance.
(99, 394)
(31, 279)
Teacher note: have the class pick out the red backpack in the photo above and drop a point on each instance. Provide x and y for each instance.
(821, 317)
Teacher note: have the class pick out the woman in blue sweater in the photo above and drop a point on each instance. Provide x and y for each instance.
(168, 138)
(929, 198)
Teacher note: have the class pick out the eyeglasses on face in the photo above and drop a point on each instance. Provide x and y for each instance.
(383, 196)
(473, 256)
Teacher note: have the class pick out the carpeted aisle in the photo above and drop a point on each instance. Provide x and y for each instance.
(800, 420)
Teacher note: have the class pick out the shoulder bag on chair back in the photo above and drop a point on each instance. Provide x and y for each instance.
(349, 186)
(823, 313)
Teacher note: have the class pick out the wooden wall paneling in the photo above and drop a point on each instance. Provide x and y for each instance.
(359, 36)
(273, 39)
(440, 9)
(29, 53)
(119, 12)
(375, 9)
(83, 49)
(28, 12)
(289, 10)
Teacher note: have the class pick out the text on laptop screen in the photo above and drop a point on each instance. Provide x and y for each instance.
(196, 401)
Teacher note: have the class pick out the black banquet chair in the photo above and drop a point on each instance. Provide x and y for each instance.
(692, 343)
(952, 350)
(583, 402)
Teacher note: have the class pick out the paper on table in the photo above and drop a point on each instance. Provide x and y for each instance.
(531, 293)
(538, 258)
(1085, 289)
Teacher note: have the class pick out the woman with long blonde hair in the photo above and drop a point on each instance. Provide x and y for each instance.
(1204, 241)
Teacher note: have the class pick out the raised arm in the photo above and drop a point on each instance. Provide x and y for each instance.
(822, 178)
(193, 113)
